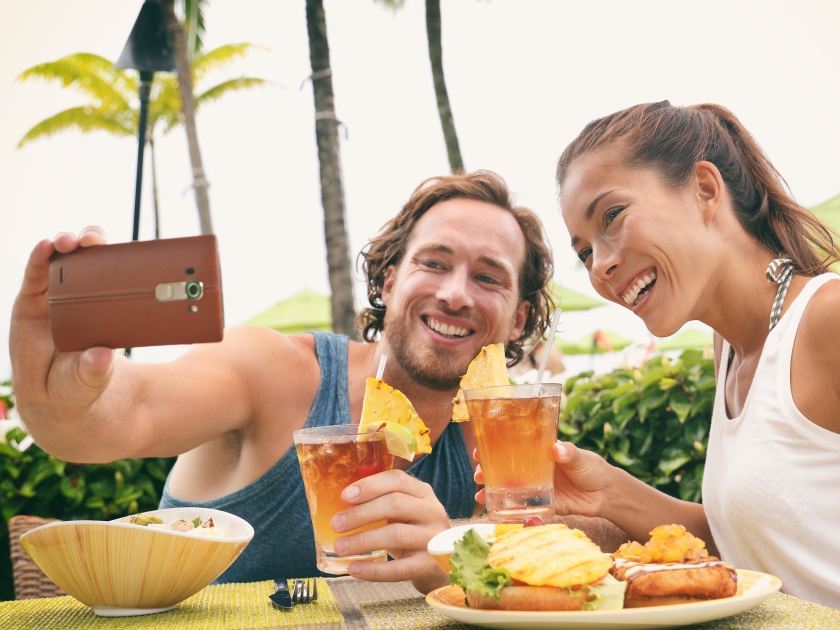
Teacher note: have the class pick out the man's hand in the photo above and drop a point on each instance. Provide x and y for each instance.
(414, 516)
(48, 385)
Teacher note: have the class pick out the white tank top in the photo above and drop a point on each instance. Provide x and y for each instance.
(771, 486)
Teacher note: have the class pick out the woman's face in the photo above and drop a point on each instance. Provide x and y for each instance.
(645, 244)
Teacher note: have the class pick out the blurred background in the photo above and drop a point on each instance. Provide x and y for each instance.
(522, 78)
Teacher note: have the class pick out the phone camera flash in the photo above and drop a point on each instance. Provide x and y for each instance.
(193, 308)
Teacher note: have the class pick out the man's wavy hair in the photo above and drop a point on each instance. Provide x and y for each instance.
(388, 247)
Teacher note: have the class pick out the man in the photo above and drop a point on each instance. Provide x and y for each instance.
(457, 269)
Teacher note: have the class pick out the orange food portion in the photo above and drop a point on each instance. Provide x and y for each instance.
(668, 544)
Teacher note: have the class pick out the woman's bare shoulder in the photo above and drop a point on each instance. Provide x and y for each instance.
(816, 359)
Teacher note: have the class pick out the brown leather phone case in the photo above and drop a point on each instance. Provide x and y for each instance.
(143, 293)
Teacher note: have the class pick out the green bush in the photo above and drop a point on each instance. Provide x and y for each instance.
(34, 482)
(652, 421)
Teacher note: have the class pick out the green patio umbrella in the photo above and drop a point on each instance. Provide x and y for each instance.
(598, 342)
(689, 338)
(300, 313)
(570, 300)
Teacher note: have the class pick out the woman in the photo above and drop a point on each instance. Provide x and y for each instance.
(678, 215)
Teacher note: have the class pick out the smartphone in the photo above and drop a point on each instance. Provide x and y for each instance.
(143, 293)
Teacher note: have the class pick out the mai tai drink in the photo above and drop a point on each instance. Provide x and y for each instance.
(515, 427)
(331, 458)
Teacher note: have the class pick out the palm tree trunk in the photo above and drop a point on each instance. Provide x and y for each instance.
(332, 193)
(456, 164)
(202, 199)
(154, 185)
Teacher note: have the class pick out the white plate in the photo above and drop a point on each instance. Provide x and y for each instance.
(757, 587)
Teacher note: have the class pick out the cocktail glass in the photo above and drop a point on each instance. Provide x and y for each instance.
(331, 458)
(515, 427)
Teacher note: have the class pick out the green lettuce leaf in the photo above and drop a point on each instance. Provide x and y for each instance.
(470, 569)
(609, 595)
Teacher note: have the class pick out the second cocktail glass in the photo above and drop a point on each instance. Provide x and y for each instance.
(331, 458)
(515, 427)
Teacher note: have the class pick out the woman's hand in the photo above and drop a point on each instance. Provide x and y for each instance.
(414, 516)
(581, 479)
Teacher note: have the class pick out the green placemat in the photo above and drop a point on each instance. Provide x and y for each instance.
(219, 607)
(780, 612)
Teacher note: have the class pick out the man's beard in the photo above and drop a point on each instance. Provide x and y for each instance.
(430, 367)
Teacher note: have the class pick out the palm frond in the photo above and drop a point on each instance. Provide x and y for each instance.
(84, 119)
(165, 103)
(90, 74)
(221, 57)
(217, 91)
(195, 7)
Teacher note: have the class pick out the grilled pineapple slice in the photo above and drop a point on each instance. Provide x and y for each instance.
(488, 369)
(549, 555)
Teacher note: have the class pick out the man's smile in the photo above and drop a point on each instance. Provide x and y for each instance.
(451, 331)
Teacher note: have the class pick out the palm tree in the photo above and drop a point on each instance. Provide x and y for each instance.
(456, 164)
(433, 36)
(182, 61)
(110, 92)
(332, 192)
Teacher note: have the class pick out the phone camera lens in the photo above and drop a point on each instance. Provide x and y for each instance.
(194, 289)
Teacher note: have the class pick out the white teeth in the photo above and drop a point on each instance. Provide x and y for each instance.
(633, 291)
(447, 329)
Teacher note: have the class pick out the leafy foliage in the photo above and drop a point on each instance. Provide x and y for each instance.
(34, 482)
(112, 94)
(652, 421)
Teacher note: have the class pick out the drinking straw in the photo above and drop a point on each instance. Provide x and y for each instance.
(381, 369)
(555, 319)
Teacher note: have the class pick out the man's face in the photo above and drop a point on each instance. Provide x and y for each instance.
(455, 290)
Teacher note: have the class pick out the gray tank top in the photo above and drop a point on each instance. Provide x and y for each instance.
(275, 504)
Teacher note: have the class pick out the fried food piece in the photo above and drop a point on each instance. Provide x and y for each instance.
(488, 369)
(551, 555)
(657, 585)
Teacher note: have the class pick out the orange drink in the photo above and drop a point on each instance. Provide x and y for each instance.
(515, 427)
(331, 458)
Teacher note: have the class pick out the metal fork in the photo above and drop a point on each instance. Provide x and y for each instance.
(305, 591)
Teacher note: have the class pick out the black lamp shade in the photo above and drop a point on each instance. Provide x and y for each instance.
(149, 47)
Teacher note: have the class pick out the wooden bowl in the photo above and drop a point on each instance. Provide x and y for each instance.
(120, 569)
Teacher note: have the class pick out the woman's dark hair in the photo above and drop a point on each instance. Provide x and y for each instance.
(388, 247)
(673, 139)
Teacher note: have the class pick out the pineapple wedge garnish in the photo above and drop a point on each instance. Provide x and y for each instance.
(488, 369)
(383, 403)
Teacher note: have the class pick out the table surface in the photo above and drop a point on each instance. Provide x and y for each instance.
(377, 606)
(779, 612)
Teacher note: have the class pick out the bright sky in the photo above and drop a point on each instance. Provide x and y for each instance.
(523, 77)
